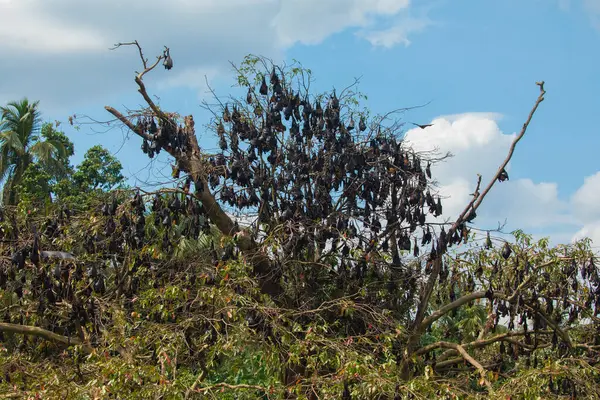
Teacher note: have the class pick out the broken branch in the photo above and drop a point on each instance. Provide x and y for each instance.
(44, 334)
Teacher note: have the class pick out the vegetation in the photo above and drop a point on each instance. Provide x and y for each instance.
(42, 185)
(337, 282)
(22, 145)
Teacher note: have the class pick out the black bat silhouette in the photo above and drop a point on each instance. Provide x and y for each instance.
(422, 126)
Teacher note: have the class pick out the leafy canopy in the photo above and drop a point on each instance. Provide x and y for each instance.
(336, 282)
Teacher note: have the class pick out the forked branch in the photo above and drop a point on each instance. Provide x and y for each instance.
(468, 210)
(192, 162)
(468, 358)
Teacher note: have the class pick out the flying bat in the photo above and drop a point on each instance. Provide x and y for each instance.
(422, 126)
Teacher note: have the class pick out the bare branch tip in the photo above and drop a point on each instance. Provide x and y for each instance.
(541, 85)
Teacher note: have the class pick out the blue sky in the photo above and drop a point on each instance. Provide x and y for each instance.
(465, 56)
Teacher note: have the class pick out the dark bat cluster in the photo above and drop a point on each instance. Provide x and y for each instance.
(563, 297)
(549, 295)
(164, 134)
(336, 182)
(56, 278)
(51, 278)
(128, 228)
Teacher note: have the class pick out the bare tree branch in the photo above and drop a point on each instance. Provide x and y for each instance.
(470, 208)
(512, 147)
(128, 123)
(467, 357)
(193, 163)
(476, 344)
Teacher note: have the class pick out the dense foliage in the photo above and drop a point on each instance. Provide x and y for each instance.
(23, 143)
(99, 171)
(336, 283)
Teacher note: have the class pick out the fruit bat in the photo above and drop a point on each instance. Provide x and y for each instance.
(99, 286)
(168, 62)
(471, 216)
(18, 259)
(422, 126)
(506, 250)
(226, 114)
(274, 77)
(362, 126)
(263, 87)
(503, 176)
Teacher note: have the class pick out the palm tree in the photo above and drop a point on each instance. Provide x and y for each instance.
(21, 145)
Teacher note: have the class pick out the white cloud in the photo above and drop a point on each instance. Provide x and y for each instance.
(587, 208)
(527, 204)
(25, 28)
(58, 52)
(585, 199)
(479, 146)
(592, 231)
(590, 7)
(475, 140)
(397, 33)
(311, 21)
(191, 77)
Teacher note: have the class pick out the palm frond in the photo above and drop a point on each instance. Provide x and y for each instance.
(60, 149)
(21, 117)
(11, 140)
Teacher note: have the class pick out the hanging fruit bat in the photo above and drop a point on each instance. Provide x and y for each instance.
(18, 259)
(263, 87)
(422, 126)
(350, 124)
(168, 62)
(249, 96)
(503, 176)
(226, 114)
(274, 77)
(220, 129)
(471, 215)
(362, 126)
(506, 250)
(153, 129)
(438, 208)
(99, 286)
